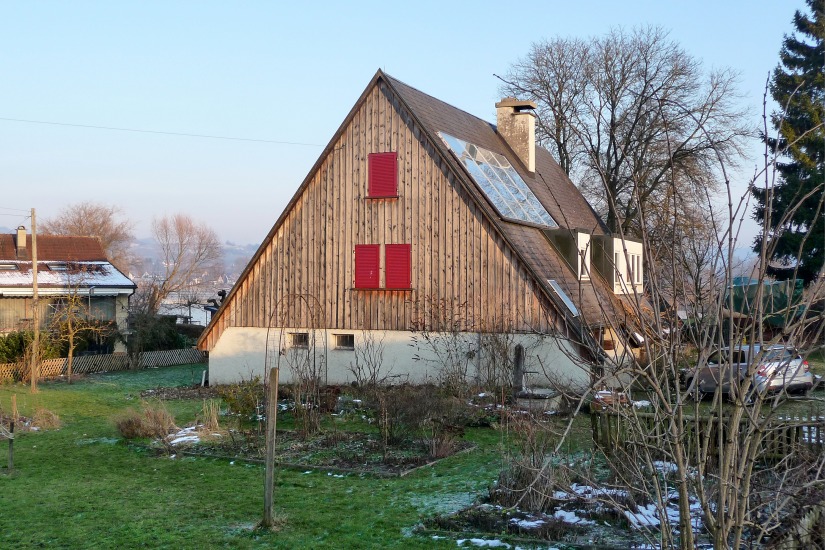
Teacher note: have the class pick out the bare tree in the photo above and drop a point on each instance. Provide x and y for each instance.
(74, 319)
(96, 220)
(187, 249)
(632, 117)
(736, 472)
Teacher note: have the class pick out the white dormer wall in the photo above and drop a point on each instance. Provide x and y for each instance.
(620, 263)
(584, 253)
(628, 263)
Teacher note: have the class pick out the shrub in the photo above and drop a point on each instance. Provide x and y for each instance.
(14, 346)
(245, 400)
(152, 421)
(45, 419)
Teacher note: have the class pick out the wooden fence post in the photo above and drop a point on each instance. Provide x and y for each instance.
(269, 477)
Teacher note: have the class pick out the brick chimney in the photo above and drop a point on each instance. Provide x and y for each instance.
(21, 241)
(517, 125)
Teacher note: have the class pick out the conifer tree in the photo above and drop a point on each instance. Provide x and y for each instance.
(795, 205)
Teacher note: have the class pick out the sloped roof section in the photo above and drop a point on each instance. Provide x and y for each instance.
(560, 197)
(53, 248)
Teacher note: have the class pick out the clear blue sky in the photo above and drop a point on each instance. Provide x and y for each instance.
(291, 72)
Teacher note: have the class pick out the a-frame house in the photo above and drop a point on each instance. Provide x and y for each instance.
(420, 223)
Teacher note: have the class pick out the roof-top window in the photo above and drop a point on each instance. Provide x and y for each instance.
(564, 297)
(500, 182)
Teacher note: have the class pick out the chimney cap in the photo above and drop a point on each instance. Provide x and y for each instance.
(516, 104)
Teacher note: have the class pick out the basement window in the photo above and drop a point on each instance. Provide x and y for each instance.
(299, 339)
(58, 267)
(344, 341)
(8, 267)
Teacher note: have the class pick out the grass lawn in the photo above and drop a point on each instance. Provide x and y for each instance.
(83, 486)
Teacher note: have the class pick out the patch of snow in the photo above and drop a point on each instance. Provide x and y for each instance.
(664, 467)
(186, 435)
(645, 516)
(484, 543)
(335, 475)
(527, 524)
(572, 518)
(641, 404)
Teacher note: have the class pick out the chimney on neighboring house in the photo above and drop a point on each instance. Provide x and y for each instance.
(21, 241)
(517, 125)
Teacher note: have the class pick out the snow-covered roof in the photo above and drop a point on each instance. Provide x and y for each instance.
(99, 278)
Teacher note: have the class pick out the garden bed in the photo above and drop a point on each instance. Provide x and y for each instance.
(344, 452)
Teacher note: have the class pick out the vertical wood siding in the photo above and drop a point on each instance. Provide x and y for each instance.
(305, 275)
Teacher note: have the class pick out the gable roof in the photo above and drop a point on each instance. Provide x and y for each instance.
(53, 248)
(560, 197)
(86, 266)
(549, 183)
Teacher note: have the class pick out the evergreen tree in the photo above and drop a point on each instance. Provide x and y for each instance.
(796, 203)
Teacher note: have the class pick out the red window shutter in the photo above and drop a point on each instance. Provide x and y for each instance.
(383, 174)
(398, 260)
(367, 261)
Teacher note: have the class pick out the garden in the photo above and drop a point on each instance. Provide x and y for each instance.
(151, 458)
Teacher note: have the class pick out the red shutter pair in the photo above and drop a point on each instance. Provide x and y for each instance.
(397, 258)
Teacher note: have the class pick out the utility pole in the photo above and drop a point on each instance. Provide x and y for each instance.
(35, 358)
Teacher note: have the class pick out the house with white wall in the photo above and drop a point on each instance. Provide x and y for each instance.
(419, 223)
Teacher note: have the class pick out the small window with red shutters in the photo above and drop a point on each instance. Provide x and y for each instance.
(383, 175)
(397, 265)
(367, 262)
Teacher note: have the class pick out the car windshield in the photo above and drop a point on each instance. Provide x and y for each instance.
(775, 355)
(724, 355)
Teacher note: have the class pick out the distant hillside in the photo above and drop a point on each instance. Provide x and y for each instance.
(148, 260)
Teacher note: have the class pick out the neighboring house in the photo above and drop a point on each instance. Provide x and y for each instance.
(420, 220)
(66, 266)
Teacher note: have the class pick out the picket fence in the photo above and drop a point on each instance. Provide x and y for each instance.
(87, 364)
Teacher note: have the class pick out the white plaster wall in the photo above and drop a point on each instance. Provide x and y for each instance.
(240, 355)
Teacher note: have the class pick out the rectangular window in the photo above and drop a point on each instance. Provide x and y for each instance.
(383, 175)
(397, 263)
(344, 341)
(299, 339)
(367, 262)
(8, 267)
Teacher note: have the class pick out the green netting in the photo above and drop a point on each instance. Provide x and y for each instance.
(781, 300)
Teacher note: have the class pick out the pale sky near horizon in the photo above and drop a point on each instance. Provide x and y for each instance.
(282, 72)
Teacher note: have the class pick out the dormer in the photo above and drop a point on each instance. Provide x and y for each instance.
(575, 247)
(619, 262)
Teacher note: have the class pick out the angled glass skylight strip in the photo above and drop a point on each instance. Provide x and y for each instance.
(564, 297)
(500, 182)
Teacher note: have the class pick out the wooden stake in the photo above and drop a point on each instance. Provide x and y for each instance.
(271, 420)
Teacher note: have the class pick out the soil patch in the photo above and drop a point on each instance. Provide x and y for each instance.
(182, 392)
(339, 451)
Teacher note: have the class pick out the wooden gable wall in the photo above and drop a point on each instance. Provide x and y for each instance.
(457, 255)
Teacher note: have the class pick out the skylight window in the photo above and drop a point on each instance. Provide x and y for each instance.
(500, 183)
(564, 297)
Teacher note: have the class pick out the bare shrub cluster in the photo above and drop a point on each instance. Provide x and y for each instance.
(152, 421)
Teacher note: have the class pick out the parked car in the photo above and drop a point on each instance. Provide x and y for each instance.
(780, 367)
(783, 369)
